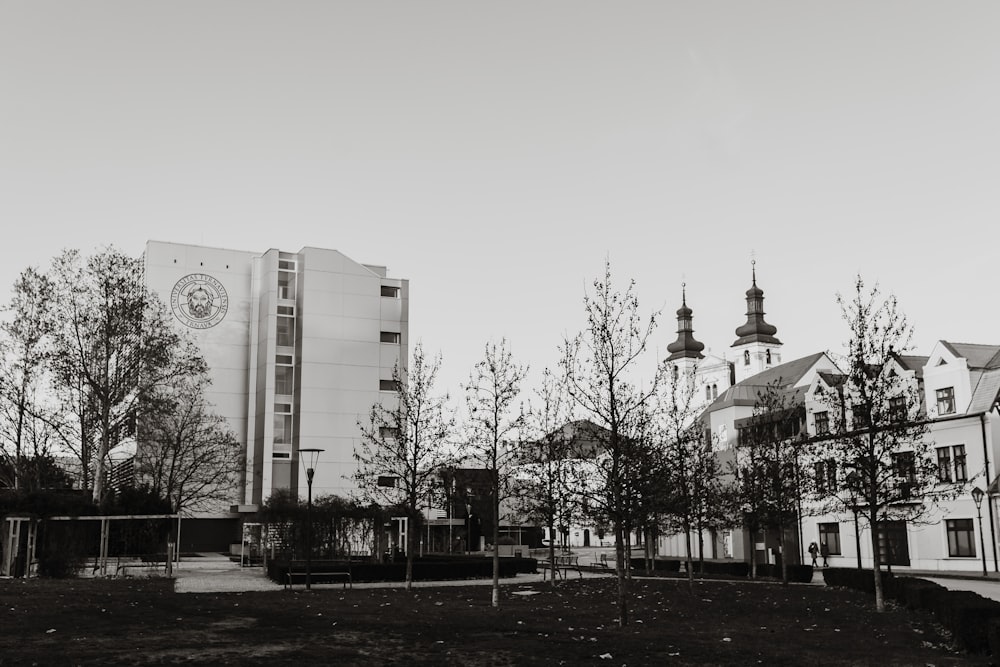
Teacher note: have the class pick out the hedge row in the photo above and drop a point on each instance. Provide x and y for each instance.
(659, 564)
(730, 568)
(973, 620)
(423, 569)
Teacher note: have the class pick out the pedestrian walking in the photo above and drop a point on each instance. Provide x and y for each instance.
(813, 551)
(824, 551)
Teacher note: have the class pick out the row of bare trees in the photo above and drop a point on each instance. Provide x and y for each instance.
(90, 359)
(600, 441)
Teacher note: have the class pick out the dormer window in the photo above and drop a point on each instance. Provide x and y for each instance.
(946, 401)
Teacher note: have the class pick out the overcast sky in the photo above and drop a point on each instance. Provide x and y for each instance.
(496, 153)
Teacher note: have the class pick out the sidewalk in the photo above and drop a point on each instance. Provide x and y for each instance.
(215, 573)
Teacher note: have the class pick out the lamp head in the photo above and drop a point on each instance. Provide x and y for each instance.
(977, 496)
(309, 457)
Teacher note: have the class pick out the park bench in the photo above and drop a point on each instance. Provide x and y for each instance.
(562, 565)
(321, 576)
(603, 562)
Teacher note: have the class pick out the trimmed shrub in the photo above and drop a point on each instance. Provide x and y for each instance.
(440, 569)
(801, 574)
(729, 568)
(859, 580)
(659, 564)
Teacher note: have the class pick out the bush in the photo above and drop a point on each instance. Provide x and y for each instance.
(802, 574)
(424, 569)
(659, 564)
(730, 568)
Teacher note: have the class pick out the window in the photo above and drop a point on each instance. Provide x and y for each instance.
(830, 533)
(387, 385)
(286, 264)
(944, 464)
(283, 359)
(905, 468)
(283, 429)
(708, 392)
(822, 422)
(286, 285)
(951, 464)
(958, 453)
(746, 357)
(385, 432)
(389, 337)
(391, 292)
(715, 391)
(961, 537)
(283, 380)
(897, 409)
(946, 401)
(826, 476)
(286, 310)
(768, 357)
(285, 331)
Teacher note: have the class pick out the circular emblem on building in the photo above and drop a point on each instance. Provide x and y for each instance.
(199, 301)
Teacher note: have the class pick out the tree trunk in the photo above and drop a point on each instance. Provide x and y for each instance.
(622, 583)
(495, 601)
(876, 561)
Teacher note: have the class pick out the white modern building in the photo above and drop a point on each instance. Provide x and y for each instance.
(300, 345)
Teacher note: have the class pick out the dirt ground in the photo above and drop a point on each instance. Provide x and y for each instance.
(144, 622)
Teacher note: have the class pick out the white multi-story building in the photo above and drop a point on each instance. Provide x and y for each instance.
(299, 347)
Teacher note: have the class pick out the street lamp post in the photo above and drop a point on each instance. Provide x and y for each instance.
(977, 497)
(309, 456)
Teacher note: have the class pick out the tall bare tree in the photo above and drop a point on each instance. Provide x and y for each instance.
(598, 364)
(690, 469)
(113, 346)
(24, 347)
(880, 439)
(405, 445)
(494, 431)
(549, 470)
(769, 450)
(187, 453)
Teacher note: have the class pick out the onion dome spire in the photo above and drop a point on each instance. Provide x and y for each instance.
(685, 346)
(756, 330)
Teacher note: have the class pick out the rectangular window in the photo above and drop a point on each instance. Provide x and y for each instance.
(285, 332)
(822, 423)
(283, 408)
(281, 455)
(283, 380)
(283, 429)
(946, 401)
(386, 432)
(958, 453)
(905, 468)
(286, 264)
(897, 409)
(961, 537)
(387, 385)
(826, 476)
(944, 464)
(284, 359)
(389, 337)
(286, 285)
(286, 310)
(830, 533)
(391, 292)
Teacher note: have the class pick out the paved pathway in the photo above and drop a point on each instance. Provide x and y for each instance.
(213, 573)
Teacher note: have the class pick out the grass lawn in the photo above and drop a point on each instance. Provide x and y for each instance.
(142, 622)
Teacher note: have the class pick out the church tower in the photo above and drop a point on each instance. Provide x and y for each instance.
(685, 351)
(756, 349)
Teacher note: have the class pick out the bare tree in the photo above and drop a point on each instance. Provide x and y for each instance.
(185, 452)
(549, 474)
(769, 450)
(113, 346)
(597, 364)
(690, 469)
(495, 422)
(24, 347)
(879, 442)
(404, 446)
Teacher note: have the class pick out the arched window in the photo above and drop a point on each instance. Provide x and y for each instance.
(768, 356)
(746, 357)
(675, 371)
(715, 391)
(708, 392)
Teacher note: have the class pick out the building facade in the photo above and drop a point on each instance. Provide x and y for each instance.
(299, 347)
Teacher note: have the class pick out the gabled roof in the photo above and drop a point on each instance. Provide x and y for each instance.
(978, 356)
(985, 391)
(912, 362)
(786, 375)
